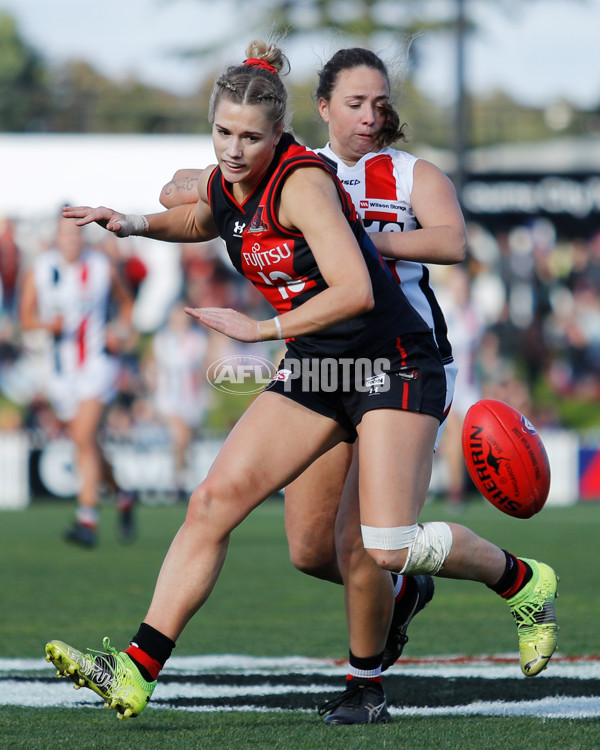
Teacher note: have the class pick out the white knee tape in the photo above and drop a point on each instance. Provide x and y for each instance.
(429, 550)
(394, 537)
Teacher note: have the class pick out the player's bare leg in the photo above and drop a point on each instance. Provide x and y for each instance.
(181, 435)
(83, 430)
(368, 590)
(311, 506)
(253, 463)
(250, 467)
(377, 619)
(529, 587)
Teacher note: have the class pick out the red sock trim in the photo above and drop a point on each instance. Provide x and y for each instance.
(521, 572)
(146, 661)
(370, 679)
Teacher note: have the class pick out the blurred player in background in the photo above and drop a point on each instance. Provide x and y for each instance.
(467, 327)
(67, 292)
(177, 370)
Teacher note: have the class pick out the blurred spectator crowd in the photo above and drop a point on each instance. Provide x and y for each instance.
(537, 297)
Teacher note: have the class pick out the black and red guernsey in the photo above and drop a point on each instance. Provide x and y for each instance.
(280, 263)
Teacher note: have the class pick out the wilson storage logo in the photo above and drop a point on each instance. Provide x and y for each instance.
(241, 374)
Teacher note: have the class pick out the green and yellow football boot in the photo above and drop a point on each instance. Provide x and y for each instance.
(533, 610)
(113, 676)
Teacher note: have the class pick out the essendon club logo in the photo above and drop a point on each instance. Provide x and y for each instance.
(258, 224)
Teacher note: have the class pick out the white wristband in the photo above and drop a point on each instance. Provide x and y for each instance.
(278, 327)
(133, 224)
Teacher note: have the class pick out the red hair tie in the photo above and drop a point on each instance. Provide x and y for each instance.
(255, 62)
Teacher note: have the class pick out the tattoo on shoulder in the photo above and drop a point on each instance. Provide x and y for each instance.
(185, 183)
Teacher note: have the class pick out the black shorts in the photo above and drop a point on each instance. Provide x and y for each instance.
(409, 375)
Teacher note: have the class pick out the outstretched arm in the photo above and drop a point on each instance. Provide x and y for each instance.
(190, 222)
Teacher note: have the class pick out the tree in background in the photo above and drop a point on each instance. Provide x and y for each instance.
(390, 27)
(75, 98)
(23, 94)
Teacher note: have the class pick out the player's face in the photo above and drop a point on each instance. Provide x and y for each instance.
(354, 113)
(69, 239)
(244, 142)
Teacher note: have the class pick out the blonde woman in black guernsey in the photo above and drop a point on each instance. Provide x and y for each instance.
(291, 229)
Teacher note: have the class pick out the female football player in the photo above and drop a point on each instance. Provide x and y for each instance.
(290, 228)
(66, 292)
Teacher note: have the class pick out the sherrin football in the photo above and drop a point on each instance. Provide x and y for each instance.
(506, 458)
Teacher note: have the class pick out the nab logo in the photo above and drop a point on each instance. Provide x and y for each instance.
(238, 228)
(240, 374)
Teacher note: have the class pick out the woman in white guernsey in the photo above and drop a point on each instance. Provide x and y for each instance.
(178, 374)
(67, 292)
(411, 205)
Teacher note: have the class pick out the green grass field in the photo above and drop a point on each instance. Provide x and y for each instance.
(263, 607)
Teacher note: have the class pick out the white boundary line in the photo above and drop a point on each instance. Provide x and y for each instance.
(29, 691)
(490, 666)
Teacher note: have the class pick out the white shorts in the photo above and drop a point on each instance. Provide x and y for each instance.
(97, 380)
(190, 411)
(451, 371)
